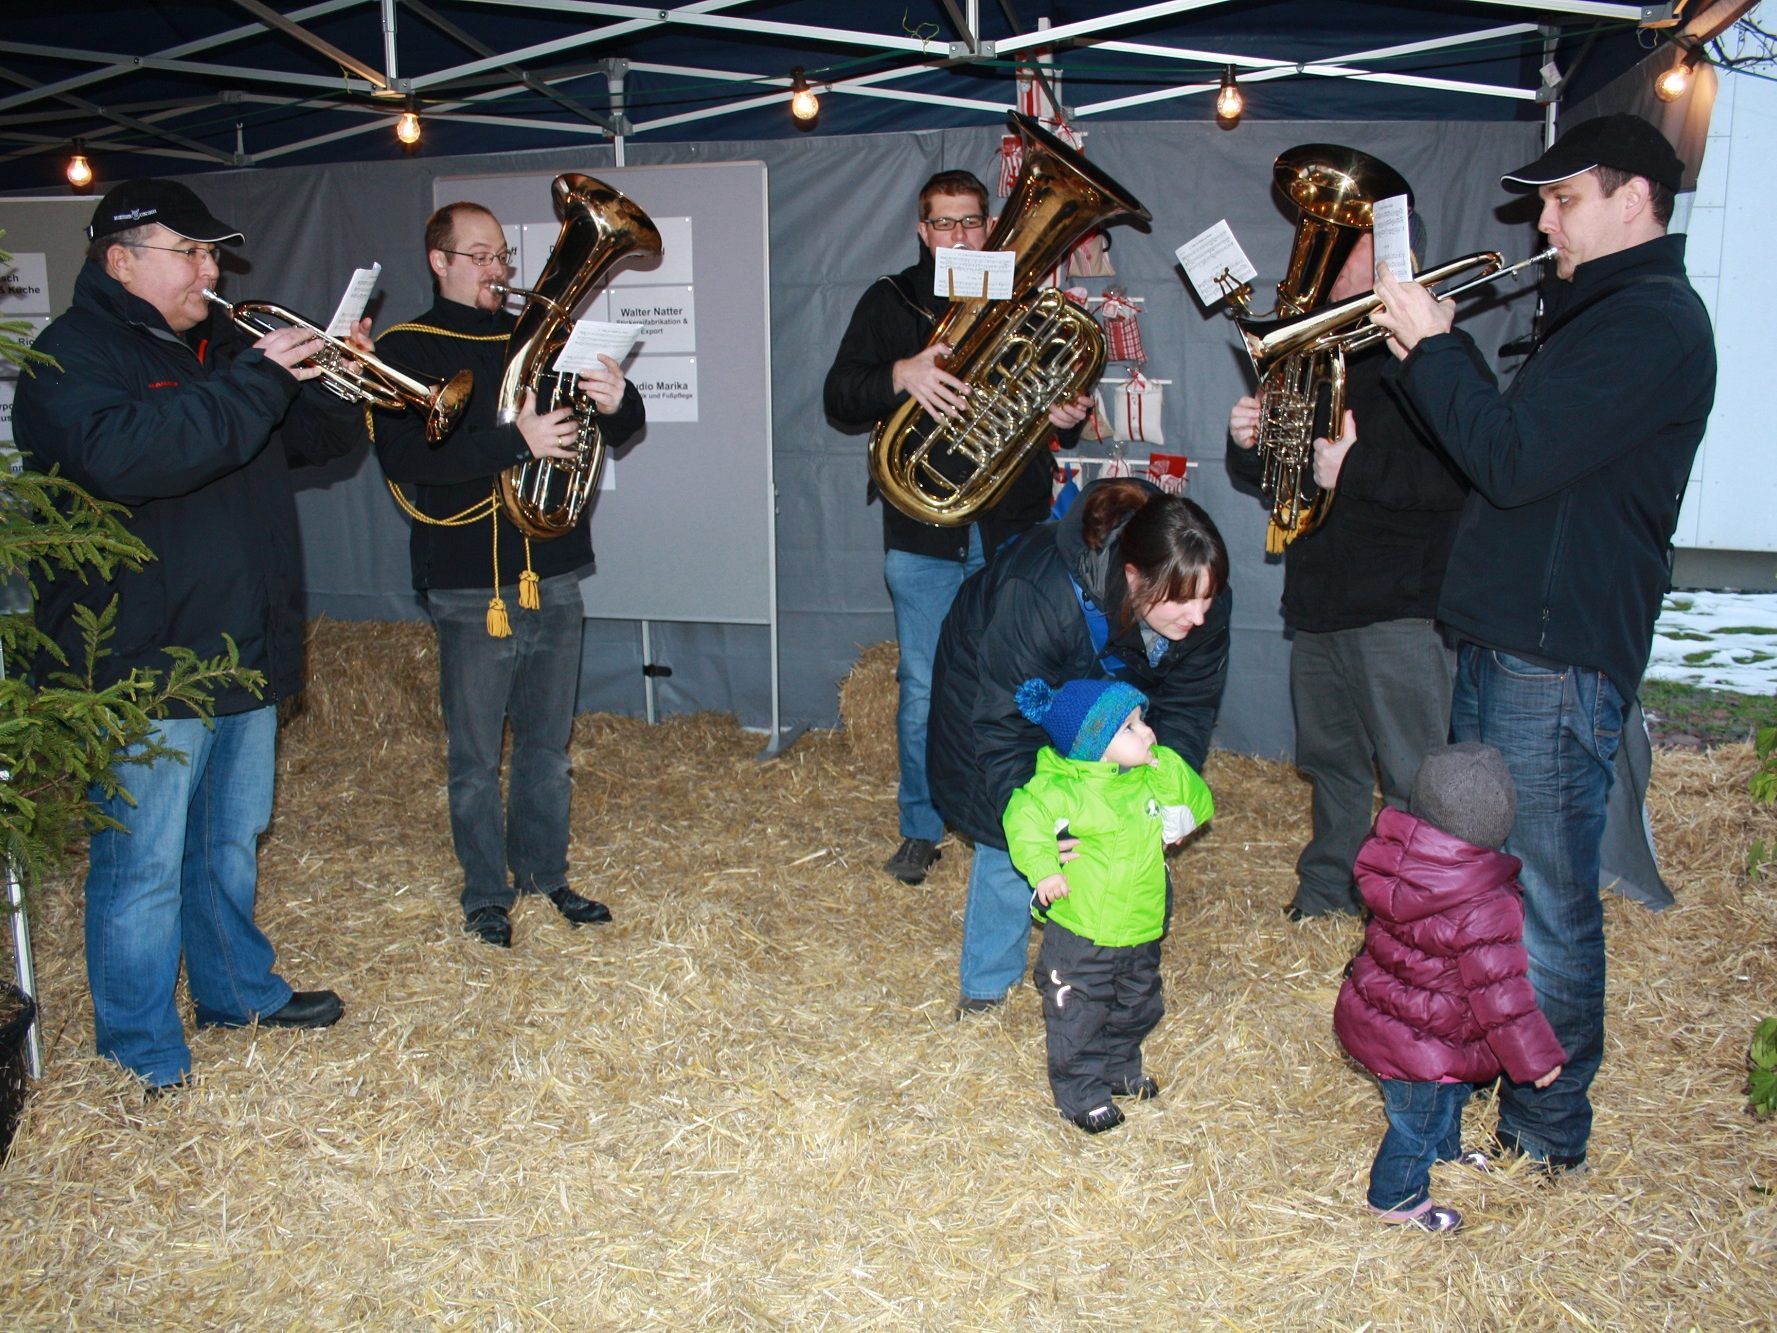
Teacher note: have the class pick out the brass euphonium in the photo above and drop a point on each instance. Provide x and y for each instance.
(1302, 391)
(1019, 357)
(600, 225)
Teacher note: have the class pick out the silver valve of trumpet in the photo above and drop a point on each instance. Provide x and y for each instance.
(356, 375)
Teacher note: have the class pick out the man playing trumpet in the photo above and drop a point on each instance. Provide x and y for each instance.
(496, 665)
(1562, 554)
(158, 403)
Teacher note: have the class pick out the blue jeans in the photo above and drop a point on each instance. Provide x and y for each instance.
(921, 588)
(181, 876)
(996, 925)
(531, 678)
(1558, 731)
(1424, 1126)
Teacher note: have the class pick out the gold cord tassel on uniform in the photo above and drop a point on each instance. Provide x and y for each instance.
(498, 626)
(530, 595)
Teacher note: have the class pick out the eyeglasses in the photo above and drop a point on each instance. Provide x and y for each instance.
(969, 223)
(500, 257)
(195, 253)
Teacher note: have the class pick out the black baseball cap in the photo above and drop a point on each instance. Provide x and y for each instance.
(139, 203)
(1621, 141)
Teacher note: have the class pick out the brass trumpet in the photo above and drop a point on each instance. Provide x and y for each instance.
(375, 383)
(1323, 330)
(1300, 362)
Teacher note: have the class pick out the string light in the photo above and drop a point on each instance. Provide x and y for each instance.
(1229, 102)
(80, 171)
(804, 105)
(407, 125)
(1676, 82)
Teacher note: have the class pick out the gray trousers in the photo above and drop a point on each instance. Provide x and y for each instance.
(529, 678)
(1368, 701)
(1098, 1004)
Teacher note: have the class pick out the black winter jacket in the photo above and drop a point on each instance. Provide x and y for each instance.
(1578, 467)
(460, 471)
(1018, 618)
(176, 428)
(1380, 553)
(892, 321)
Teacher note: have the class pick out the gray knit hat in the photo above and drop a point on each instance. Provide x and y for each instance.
(1466, 790)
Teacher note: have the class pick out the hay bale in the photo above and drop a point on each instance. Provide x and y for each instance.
(371, 676)
(867, 700)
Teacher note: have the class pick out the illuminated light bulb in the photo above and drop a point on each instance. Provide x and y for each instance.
(407, 126)
(1229, 102)
(80, 171)
(1674, 83)
(804, 105)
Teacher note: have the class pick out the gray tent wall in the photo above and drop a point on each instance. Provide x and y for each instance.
(842, 212)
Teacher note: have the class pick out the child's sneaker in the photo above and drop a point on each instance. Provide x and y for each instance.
(1475, 1159)
(1099, 1119)
(1427, 1216)
(1143, 1088)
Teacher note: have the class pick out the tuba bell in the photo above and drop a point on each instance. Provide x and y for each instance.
(600, 225)
(1019, 358)
(1302, 392)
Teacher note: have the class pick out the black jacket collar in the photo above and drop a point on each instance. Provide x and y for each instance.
(1662, 255)
(460, 318)
(97, 288)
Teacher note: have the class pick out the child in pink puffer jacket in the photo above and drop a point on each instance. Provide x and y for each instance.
(1439, 999)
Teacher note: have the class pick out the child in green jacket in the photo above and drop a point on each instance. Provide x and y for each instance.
(1105, 784)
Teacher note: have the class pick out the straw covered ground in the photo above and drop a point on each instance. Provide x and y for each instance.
(746, 1103)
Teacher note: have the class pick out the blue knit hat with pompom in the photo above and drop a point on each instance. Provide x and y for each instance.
(1081, 716)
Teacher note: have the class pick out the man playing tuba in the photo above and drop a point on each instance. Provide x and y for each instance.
(496, 665)
(1370, 674)
(883, 360)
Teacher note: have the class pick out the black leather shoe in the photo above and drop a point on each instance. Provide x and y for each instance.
(307, 1009)
(491, 924)
(579, 911)
(1099, 1119)
(304, 1009)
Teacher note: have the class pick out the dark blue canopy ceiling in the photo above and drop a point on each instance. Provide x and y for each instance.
(175, 86)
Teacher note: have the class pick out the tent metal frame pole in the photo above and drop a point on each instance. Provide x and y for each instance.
(587, 38)
(130, 64)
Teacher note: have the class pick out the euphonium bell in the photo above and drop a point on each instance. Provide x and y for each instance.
(600, 225)
(1302, 390)
(1019, 357)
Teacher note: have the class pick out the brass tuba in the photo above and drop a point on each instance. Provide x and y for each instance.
(1019, 358)
(545, 498)
(1302, 391)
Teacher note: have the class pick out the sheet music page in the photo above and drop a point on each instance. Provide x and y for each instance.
(978, 273)
(590, 338)
(1389, 223)
(1212, 254)
(351, 305)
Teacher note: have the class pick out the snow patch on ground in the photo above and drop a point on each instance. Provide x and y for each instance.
(1717, 640)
